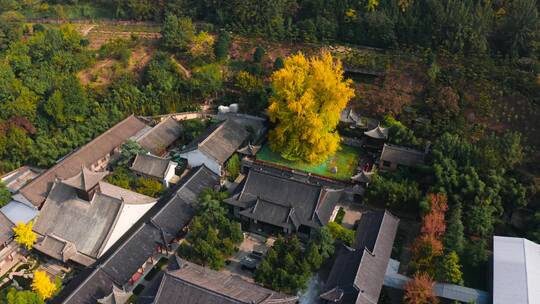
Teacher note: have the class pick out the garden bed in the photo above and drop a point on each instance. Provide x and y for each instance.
(346, 161)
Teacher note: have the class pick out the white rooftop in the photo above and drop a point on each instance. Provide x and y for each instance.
(516, 271)
(18, 212)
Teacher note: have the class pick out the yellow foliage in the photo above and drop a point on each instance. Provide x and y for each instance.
(372, 5)
(201, 44)
(350, 15)
(309, 95)
(43, 285)
(24, 234)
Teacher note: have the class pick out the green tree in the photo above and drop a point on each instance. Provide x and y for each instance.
(5, 195)
(339, 232)
(477, 252)
(233, 167)
(518, 27)
(258, 54)
(394, 192)
(324, 241)
(450, 269)
(177, 33)
(149, 186)
(278, 64)
(222, 45)
(212, 235)
(128, 151)
(121, 177)
(11, 28)
(207, 80)
(285, 267)
(14, 296)
(454, 237)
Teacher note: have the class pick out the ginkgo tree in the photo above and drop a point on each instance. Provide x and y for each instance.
(24, 234)
(309, 95)
(43, 285)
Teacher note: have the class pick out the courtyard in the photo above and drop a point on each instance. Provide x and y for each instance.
(252, 242)
(345, 161)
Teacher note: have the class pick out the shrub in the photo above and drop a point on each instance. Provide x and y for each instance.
(339, 232)
(5, 195)
(258, 54)
(233, 167)
(340, 215)
(149, 186)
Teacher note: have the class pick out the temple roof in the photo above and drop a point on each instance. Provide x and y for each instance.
(164, 134)
(358, 272)
(192, 283)
(36, 191)
(378, 133)
(220, 141)
(402, 155)
(117, 296)
(362, 177)
(249, 150)
(87, 225)
(283, 201)
(86, 179)
(151, 165)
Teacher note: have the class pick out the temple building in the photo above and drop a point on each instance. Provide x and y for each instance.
(84, 216)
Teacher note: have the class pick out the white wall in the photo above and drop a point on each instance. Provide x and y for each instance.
(196, 158)
(170, 173)
(130, 214)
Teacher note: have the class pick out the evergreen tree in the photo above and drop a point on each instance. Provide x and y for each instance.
(222, 45)
(177, 33)
(450, 269)
(454, 237)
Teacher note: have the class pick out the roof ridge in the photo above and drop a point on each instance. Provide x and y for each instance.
(72, 154)
(111, 228)
(212, 291)
(158, 124)
(219, 127)
(525, 266)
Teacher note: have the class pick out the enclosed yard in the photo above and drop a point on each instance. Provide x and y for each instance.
(346, 160)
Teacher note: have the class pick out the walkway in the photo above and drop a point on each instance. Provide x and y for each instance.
(448, 291)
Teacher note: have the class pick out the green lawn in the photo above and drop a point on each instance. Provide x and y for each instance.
(346, 160)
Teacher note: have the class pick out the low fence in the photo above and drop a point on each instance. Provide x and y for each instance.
(91, 21)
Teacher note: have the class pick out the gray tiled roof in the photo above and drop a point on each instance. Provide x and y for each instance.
(133, 253)
(86, 225)
(96, 286)
(85, 179)
(151, 165)
(358, 273)
(161, 136)
(179, 210)
(276, 199)
(82, 223)
(220, 141)
(6, 229)
(122, 261)
(195, 284)
(402, 155)
(117, 296)
(36, 191)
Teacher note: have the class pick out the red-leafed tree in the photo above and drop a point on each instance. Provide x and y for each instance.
(433, 223)
(419, 290)
(424, 251)
(428, 246)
